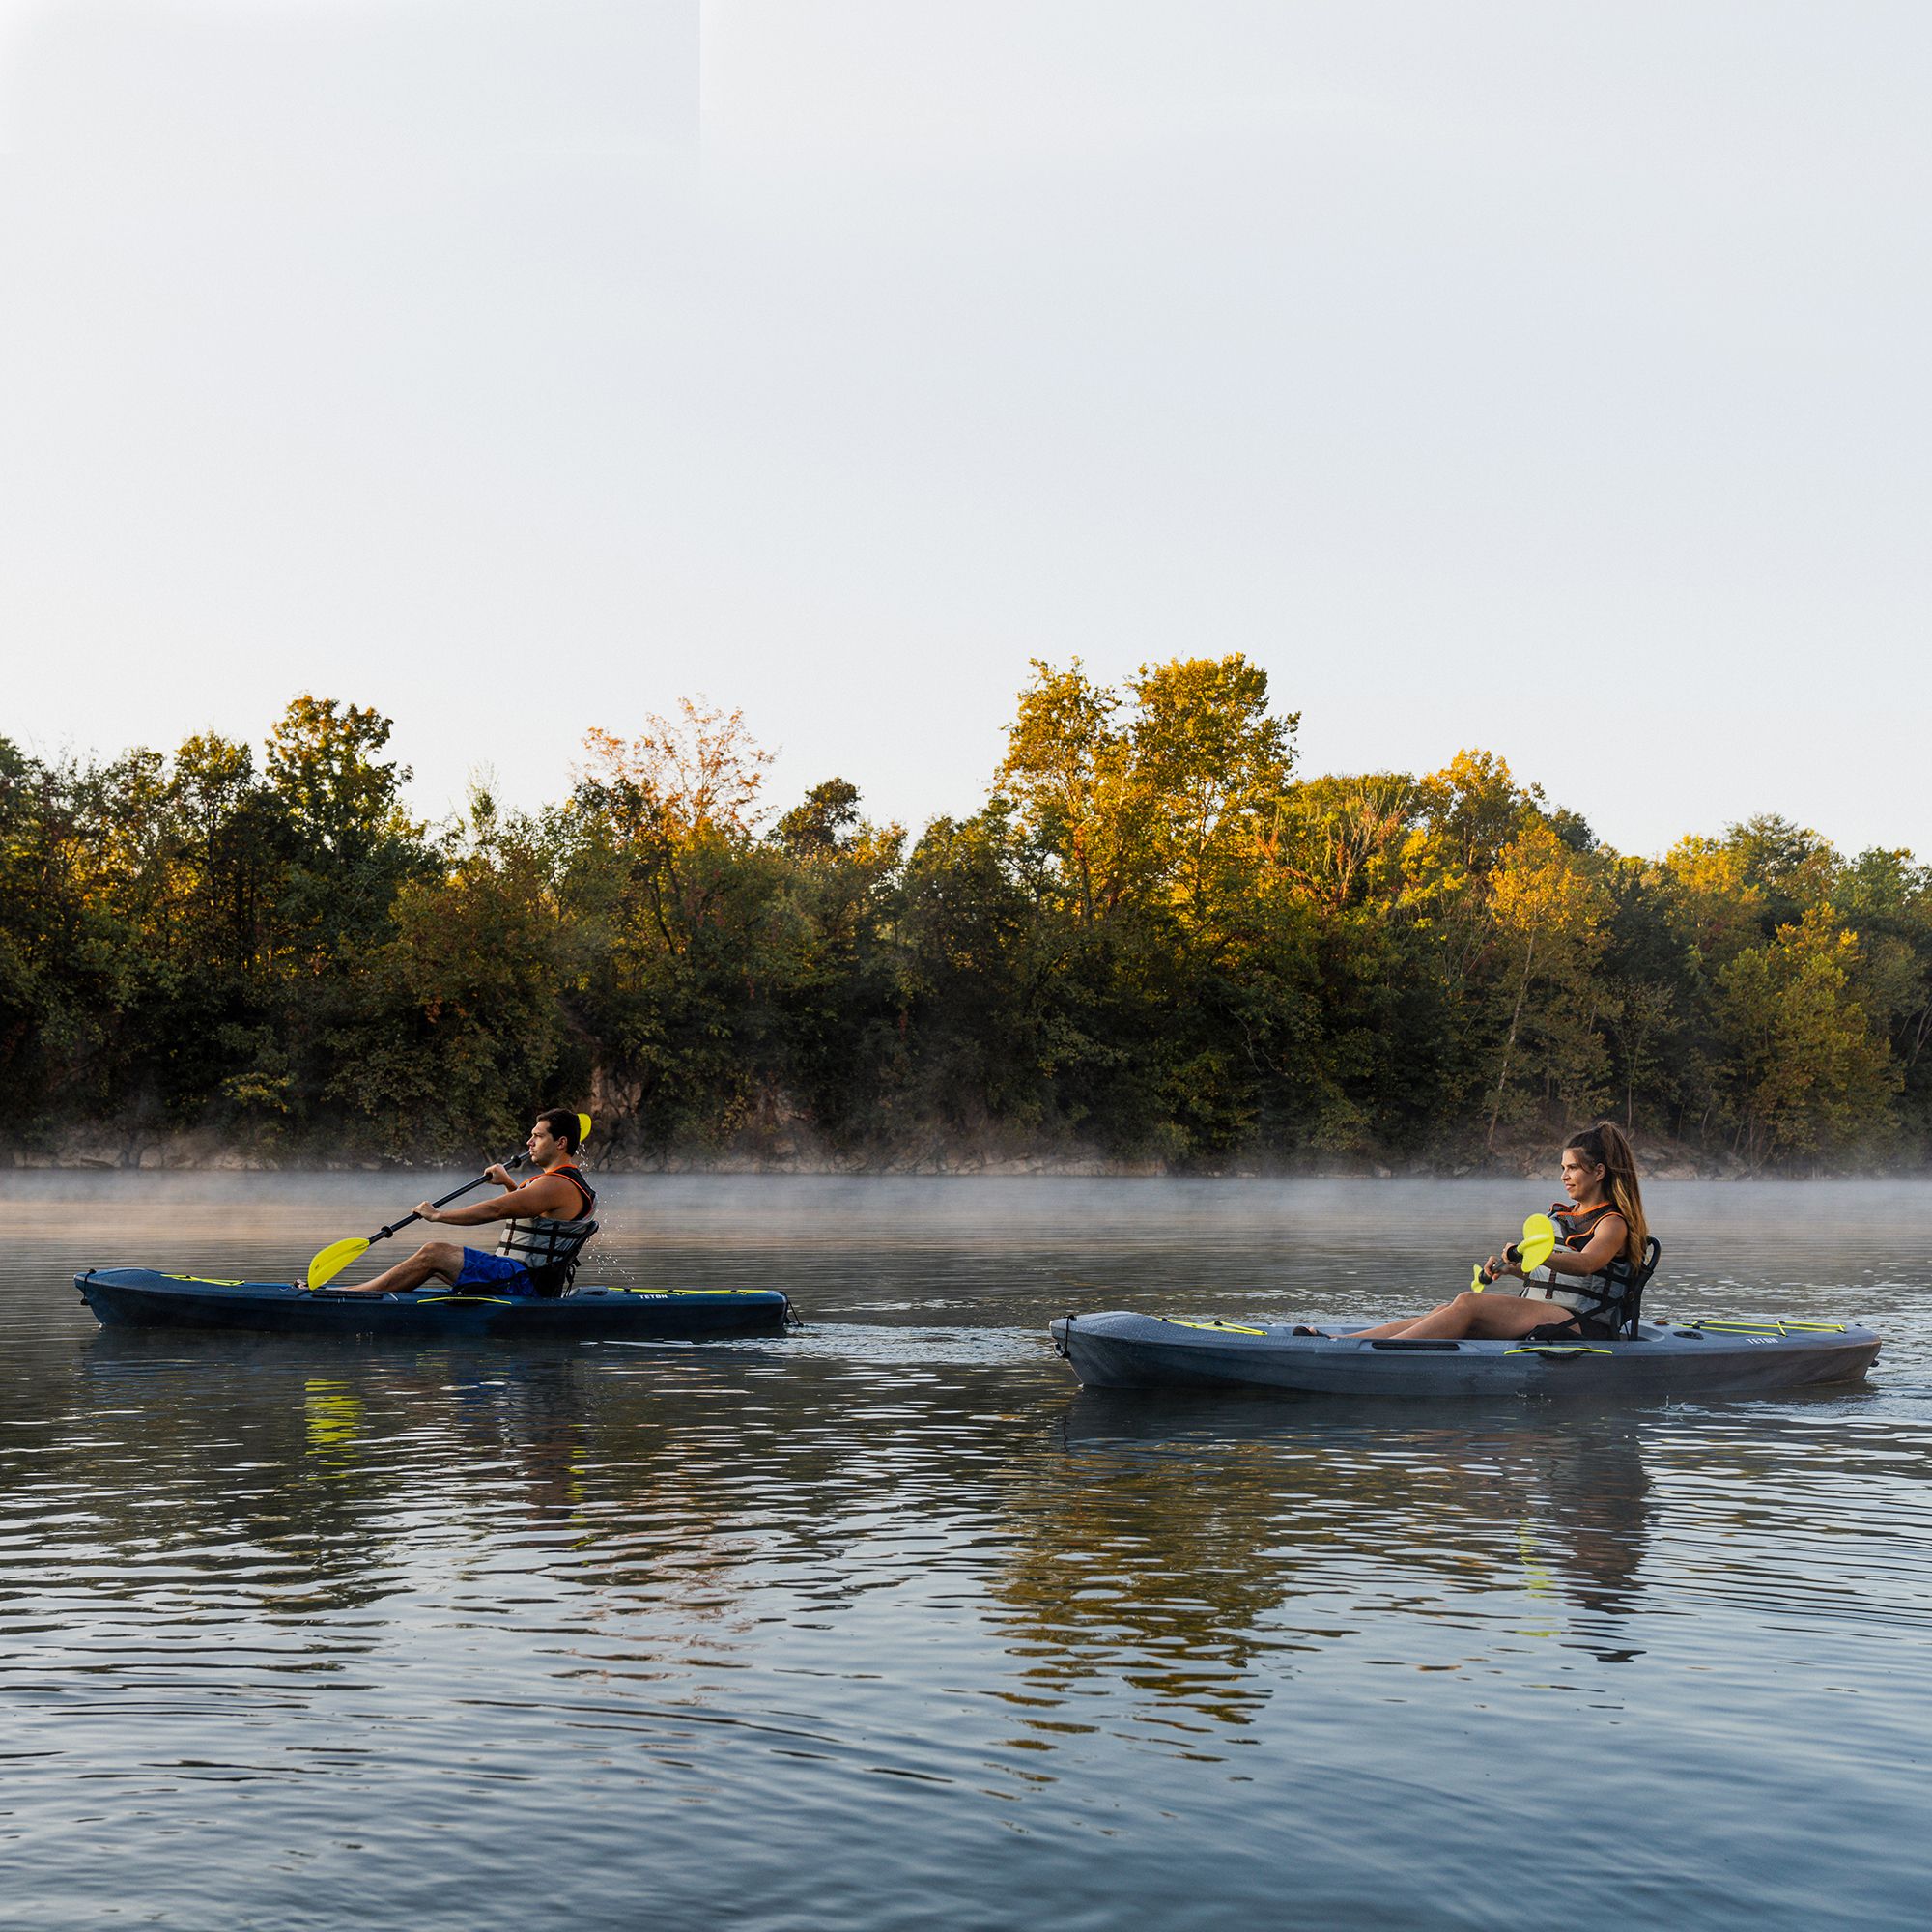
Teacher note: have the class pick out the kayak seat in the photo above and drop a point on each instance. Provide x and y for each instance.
(558, 1276)
(1619, 1319)
(1639, 1280)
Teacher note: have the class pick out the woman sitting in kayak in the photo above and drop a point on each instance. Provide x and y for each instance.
(1601, 1240)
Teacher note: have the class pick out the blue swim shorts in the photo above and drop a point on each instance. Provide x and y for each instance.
(499, 1272)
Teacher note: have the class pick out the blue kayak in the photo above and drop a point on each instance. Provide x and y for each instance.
(1119, 1350)
(137, 1297)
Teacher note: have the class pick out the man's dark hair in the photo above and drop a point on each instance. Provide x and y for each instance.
(563, 1123)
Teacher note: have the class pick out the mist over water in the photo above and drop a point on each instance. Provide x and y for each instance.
(885, 1623)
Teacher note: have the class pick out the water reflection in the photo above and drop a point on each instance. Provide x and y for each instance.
(1208, 1538)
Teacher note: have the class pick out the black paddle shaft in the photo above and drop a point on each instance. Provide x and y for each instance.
(1512, 1253)
(455, 1193)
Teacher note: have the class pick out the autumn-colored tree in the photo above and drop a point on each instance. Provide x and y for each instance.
(1466, 816)
(1336, 841)
(1066, 771)
(700, 772)
(1208, 767)
(1549, 907)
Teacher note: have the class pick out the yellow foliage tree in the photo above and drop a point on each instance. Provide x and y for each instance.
(1549, 904)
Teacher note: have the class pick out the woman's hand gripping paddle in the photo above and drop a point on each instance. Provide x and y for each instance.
(1538, 1244)
(337, 1256)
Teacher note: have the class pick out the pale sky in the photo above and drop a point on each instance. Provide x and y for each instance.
(1546, 377)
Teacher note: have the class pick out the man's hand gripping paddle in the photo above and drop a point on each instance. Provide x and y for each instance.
(1538, 1244)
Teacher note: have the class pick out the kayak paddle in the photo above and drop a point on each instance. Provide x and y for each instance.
(337, 1256)
(1538, 1244)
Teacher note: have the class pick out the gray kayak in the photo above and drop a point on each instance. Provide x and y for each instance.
(1754, 1356)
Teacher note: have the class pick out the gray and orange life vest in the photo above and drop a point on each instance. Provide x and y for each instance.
(549, 1249)
(1605, 1302)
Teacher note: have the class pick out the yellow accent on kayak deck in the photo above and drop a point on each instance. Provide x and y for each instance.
(1779, 1328)
(1224, 1327)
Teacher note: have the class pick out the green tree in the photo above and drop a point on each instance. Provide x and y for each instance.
(463, 1023)
(1809, 1074)
(823, 823)
(1885, 897)
(1638, 1015)
(342, 799)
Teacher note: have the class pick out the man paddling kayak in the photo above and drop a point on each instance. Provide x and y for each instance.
(549, 1217)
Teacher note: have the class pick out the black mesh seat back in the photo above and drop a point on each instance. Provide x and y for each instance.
(1640, 1281)
(558, 1274)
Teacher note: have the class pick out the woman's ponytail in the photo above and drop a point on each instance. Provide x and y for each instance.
(1605, 1147)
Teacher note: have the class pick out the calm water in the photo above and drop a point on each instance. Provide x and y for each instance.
(885, 1624)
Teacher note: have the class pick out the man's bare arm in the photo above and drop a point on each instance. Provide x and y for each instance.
(549, 1197)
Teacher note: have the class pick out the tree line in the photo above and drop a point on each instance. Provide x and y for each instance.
(1154, 941)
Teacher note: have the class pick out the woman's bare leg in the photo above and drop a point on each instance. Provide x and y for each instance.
(1488, 1316)
(1393, 1328)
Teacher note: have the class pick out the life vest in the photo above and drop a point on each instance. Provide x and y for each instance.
(1605, 1302)
(548, 1249)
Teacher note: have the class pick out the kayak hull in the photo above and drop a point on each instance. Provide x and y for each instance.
(148, 1299)
(1119, 1350)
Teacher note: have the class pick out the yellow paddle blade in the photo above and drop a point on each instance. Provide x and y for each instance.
(332, 1260)
(1539, 1242)
(582, 1128)
(1476, 1282)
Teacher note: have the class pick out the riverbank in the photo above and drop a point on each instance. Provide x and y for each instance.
(200, 1150)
